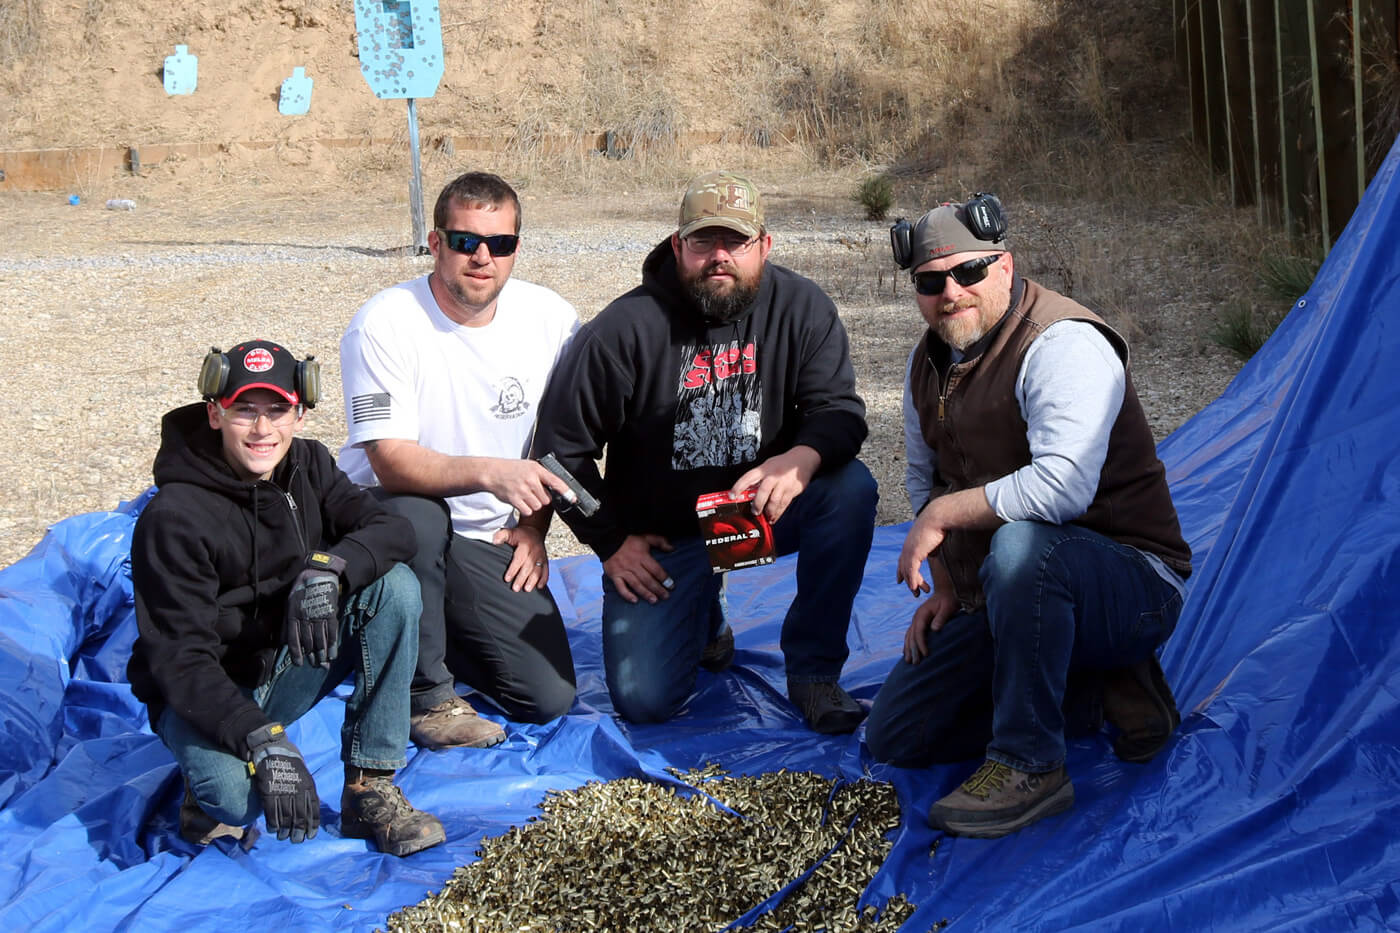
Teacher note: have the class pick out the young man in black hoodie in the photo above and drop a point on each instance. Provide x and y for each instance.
(263, 576)
(720, 372)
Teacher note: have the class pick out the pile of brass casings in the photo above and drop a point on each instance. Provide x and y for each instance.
(637, 855)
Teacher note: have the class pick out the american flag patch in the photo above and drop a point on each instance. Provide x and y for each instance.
(372, 407)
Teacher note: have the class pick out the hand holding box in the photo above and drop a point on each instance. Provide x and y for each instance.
(735, 536)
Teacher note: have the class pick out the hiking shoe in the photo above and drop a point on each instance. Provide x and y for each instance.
(199, 828)
(376, 808)
(1138, 701)
(827, 708)
(998, 799)
(719, 653)
(453, 724)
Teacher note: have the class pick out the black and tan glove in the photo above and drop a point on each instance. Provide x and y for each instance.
(312, 628)
(288, 793)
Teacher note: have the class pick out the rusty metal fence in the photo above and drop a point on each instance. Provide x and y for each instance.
(1297, 101)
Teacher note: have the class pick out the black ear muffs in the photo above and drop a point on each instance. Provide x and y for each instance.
(213, 377)
(902, 243)
(985, 217)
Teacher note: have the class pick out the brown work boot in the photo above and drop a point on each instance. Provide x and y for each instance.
(199, 828)
(719, 653)
(1138, 701)
(375, 808)
(827, 708)
(998, 799)
(453, 724)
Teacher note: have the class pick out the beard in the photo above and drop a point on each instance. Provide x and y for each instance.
(962, 333)
(476, 302)
(719, 300)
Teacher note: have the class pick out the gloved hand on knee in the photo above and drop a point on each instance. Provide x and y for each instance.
(312, 628)
(290, 803)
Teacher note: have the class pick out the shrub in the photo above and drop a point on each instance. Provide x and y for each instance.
(876, 194)
(1243, 329)
(1287, 276)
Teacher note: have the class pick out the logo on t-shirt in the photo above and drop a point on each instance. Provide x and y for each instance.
(719, 403)
(510, 399)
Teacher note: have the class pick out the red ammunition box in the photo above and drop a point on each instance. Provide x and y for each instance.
(735, 537)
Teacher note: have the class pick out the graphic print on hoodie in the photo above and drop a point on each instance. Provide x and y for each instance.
(718, 415)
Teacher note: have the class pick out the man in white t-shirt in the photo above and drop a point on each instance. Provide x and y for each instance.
(442, 376)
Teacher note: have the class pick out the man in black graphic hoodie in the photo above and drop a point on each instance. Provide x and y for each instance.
(263, 576)
(720, 372)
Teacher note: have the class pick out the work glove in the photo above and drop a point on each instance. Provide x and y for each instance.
(288, 794)
(312, 628)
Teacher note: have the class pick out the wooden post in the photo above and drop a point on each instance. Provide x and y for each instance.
(1205, 79)
(1317, 128)
(1386, 16)
(1295, 145)
(1356, 97)
(1193, 78)
(1284, 195)
(1254, 114)
(1176, 44)
(1238, 84)
(1225, 96)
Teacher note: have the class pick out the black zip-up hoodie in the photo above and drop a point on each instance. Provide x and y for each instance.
(213, 558)
(686, 405)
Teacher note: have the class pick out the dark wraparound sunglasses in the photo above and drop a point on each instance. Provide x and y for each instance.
(964, 273)
(498, 244)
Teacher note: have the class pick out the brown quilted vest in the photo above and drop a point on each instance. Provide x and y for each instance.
(969, 415)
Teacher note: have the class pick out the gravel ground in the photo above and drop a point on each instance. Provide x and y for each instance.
(107, 314)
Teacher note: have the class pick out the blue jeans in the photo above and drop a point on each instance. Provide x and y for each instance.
(1060, 599)
(378, 642)
(651, 653)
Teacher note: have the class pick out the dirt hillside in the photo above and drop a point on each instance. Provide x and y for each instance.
(90, 71)
(107, 313)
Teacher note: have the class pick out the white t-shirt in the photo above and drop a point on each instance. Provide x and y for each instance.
(409, 371)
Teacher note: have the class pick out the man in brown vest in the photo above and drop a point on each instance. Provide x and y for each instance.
(1056, 558)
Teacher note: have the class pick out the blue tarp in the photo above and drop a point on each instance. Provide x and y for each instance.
(1276, 807)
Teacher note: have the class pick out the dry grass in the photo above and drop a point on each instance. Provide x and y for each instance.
(92, 17)
(21, 26)
(1043, 101)
(1380, 89)
(848, 84)
(864, 90)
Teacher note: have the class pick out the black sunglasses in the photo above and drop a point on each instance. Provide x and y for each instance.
(498, 244)
(964, 273)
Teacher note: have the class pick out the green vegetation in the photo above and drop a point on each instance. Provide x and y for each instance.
(1242, 328)
(875, 193)
(1286, 276)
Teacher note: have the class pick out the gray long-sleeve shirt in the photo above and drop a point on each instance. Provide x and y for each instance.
(1070, 388)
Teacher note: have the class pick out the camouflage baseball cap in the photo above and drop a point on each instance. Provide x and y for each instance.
(721, 199)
